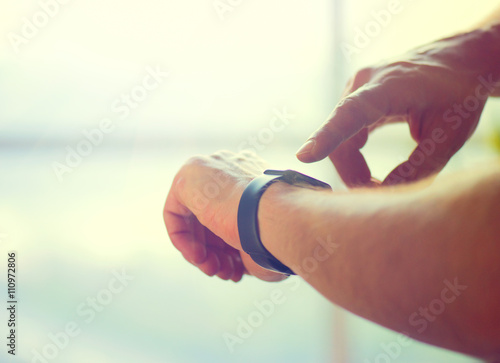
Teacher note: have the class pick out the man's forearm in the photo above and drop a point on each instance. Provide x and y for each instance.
(387, 255)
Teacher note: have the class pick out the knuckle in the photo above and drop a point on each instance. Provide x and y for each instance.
(196, 160)
(248, 154)
(351, 107)
(363, 75)
(222, 154)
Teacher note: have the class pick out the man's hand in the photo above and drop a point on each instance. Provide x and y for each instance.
(439, 90)
(201, 214)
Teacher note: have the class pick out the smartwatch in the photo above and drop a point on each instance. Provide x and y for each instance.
(248, 227)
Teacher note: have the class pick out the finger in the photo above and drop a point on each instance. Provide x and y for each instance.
(223, 251)
(239, 268)
(423, 162)
(179, 223)
(226, 269)
(211, 265)
(350, 163)
(360, 109)
(361, 77)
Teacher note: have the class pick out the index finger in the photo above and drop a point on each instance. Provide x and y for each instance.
(360, 109)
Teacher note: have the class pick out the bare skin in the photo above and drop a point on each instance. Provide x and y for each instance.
(420, 258)
(382, 253)
(439, 89)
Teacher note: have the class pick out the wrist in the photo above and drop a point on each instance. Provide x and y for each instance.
(283, 220)
(248, 210)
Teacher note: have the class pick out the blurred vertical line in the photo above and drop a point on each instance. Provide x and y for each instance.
(340, 351)
(339, 62)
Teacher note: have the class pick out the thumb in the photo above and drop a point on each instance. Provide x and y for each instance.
(421, 164)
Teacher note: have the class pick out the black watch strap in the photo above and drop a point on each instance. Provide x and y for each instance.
(248, 226)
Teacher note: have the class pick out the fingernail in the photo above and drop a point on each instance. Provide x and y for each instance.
(307, 147)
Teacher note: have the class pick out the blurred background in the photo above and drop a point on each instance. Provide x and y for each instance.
(102, 102)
